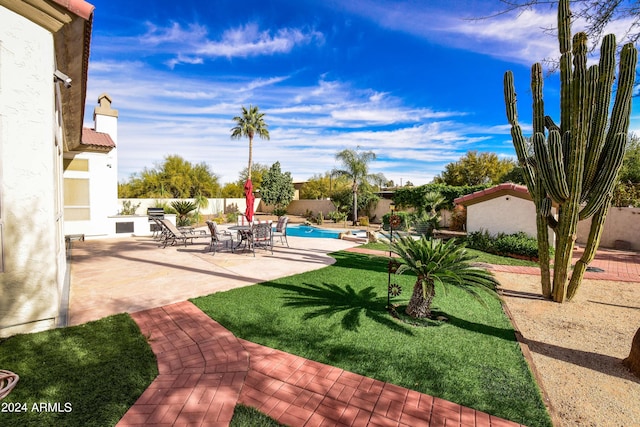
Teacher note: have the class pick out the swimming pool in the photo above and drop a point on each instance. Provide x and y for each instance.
(310, 231)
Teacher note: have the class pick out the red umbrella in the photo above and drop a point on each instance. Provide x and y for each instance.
(248, 194)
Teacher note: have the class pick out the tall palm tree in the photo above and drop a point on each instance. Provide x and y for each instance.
(249, 124)
(435, 262)
(356, 168)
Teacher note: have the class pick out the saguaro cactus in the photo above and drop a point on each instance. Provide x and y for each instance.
(575, 164)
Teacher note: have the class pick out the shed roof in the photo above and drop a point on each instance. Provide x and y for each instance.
(500, 190)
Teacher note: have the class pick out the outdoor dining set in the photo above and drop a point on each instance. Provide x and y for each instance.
(245, 236)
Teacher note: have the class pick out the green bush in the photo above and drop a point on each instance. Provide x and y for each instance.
(480, 240)
(280, 212)
(232, 216)
(337, 216)
(504, 244)
(363, 221)
(518, 243)
(404, 221)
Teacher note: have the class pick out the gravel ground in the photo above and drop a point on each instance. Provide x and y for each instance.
(577, 348)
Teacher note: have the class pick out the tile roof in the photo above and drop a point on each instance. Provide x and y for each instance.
(78, 7)
(493, 192)
(96, 139)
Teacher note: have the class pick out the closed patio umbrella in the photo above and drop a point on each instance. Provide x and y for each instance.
(248, 194)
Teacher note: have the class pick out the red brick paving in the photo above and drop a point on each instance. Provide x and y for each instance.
(204, 370)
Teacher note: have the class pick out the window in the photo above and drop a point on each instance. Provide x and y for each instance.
(76, 199)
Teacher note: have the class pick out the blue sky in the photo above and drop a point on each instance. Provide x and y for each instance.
(417, 82)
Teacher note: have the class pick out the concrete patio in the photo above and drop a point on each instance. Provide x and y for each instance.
(110, 276)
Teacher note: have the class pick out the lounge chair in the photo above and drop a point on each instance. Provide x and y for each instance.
(281, 230)
(218, 238)
(171, 234)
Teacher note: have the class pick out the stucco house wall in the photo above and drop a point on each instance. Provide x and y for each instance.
(39, 120)
(506, 208)
(504, 214)
(32, 244)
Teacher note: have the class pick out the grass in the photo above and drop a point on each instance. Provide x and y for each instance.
(482, 256)
(95, 372)
(245, 416)
(337, 316)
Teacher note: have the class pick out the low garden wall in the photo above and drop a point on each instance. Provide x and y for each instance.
(216, 206)
(621, 229)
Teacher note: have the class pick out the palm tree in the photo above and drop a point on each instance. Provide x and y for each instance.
(436, 262)
(249, 124)
(356, 168)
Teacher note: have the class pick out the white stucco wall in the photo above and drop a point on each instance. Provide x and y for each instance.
(103, 194)
(503, 214)
(33, 245)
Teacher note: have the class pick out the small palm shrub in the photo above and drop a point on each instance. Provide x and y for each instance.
(435, 262)
(183, 210)
(337, 216)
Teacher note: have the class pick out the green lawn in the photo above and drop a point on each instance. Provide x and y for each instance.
(89, 375)
(337, 316)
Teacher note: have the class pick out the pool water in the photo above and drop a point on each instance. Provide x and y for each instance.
(310, 231)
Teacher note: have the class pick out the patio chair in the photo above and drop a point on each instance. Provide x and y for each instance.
(172, 234)
(219, 237)
(261, 236)
(281, 230)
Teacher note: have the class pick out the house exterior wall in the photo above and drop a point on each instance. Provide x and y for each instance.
(103, 193)
(30, 213)
(503, 214)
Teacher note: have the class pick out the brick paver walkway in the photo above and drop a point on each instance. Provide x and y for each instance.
(204, 370)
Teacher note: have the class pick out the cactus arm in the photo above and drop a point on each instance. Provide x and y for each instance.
(613, 152)
(550, 124)
(550, 163)
(602, 100)
(605, 181)
(538, 103)
(595, 233)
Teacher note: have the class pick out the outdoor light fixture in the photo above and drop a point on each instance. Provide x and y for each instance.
(59, 76)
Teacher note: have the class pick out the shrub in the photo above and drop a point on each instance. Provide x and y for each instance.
(128, 208)
(504, 244)
(232, 216)
(363, 221)
(337, 216)
(458, 218)
(518, 244)
(480, 240)
(279, 211)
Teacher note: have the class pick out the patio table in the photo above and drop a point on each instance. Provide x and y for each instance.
(244, 231)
